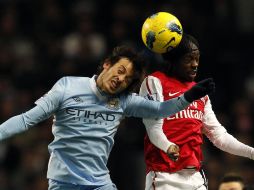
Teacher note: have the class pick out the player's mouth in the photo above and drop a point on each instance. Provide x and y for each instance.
(193, 73)
(114, 84)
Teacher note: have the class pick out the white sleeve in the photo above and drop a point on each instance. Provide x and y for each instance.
(151, 89)
(218, 135)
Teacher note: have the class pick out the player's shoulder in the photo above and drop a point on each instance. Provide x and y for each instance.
(75, 79)
(155, 76)
(149, 80)
(158, 74)
(158, 77)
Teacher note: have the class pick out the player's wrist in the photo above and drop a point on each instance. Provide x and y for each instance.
(173, 152)
(170, 144)
(200, 90)
(188, 96)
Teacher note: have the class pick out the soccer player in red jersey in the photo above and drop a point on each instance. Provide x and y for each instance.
(172, 146)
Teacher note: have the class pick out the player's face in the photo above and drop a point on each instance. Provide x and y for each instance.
(187, 69)
(116, 78)
(231, 186)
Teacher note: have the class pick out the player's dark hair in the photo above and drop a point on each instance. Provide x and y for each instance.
(184, 47)
(232, 177)
(175, 55)
(133, 56)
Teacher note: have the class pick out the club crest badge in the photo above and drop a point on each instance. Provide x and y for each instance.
(113, 103)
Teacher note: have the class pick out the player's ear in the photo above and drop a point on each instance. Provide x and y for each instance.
(106, 64)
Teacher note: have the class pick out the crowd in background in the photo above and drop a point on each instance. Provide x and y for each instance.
(43, 40)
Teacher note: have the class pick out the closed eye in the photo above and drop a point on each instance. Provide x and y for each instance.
(120, 71)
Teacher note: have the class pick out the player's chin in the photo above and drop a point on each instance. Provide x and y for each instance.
(109, 90)
(191, 77)
(113, 91)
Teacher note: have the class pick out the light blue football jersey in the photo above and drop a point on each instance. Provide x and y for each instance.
(85, 123)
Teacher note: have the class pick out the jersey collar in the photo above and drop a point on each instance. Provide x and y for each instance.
(101, 95)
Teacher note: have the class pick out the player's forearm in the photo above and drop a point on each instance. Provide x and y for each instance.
(219, 136)
(141, 107)
(22, 122)
(228, 143)
(12, 126)
(156, 134)
(172, 106)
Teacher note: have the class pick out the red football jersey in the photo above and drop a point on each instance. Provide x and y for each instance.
(184, 129)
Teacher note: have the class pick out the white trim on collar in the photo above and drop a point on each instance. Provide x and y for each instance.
(95, 88)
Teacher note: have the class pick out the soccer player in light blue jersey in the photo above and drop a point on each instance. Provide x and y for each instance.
(87, 112)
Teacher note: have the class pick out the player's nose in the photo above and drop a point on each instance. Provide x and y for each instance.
(121, 78)
(194, 64)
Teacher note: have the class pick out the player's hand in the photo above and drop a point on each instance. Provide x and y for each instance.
(173, 152)
(200, 89)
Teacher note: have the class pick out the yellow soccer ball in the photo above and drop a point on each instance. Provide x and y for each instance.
(162, 32)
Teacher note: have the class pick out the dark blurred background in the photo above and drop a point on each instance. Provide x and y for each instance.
(43, 40)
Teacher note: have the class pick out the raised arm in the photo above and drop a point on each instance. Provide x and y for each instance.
(46, 106)
(152, 88)
(140, 107)
(22, 122)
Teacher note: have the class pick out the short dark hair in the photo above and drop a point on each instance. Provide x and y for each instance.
(133, 56)
(232, 177)
(184, 47)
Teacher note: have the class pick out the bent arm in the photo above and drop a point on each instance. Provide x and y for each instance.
(154, 126)
(156, 135)
(218, 135)
(149, 105)
(140, 108)
(22, 122)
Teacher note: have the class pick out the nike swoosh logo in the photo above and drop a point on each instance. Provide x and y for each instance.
(173, 94)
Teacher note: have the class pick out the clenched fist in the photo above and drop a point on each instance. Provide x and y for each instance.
(173, 152)
(200, 89)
